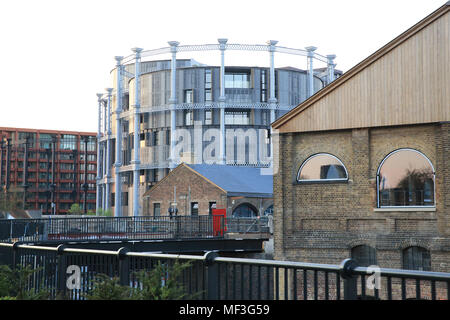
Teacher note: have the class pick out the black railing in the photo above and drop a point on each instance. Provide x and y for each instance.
(213, 277)
(128, 228)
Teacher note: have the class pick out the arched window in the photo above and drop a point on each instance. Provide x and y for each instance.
(405, 178)
(416, 258)
(364, 255)
(245, 210)
(322, 167)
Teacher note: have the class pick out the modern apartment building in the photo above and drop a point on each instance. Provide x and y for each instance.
(160, 113)
(49, 169)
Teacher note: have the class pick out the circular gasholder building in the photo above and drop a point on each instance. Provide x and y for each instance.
(162, 112)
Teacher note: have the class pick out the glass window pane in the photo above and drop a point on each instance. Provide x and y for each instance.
(322, 167)
(406, 178)
(364, 255)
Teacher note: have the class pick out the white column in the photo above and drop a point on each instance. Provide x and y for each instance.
(330, 68)
(137, 106)
(173, 101)
(310, 70)
(108, 149)
(272, 99)
(99, 135)
(118, 164)
(222, 98)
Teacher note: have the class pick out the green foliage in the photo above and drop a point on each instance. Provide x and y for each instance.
(105, 213)
(13, 284)
(105, 288)
(161, 283)
(75, 209)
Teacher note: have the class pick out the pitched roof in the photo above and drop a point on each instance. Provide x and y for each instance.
(237, 180)
(234, 180)
(322, 111)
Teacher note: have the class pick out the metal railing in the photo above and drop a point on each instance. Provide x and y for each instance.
(128, 228)
(108, 228)
(223, 278)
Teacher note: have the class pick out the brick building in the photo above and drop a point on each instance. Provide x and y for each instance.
(364, 164)
(197, 189)
(53, 163)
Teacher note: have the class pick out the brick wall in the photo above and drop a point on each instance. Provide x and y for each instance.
(201, 191)
(321, 222)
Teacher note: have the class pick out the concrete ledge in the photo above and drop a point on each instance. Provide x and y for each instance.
(412, 209)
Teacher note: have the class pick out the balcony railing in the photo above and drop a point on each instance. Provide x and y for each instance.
(224, 278)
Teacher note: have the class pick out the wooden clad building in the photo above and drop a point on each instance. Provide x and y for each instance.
(364, 164)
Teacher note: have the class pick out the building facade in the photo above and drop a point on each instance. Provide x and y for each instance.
(160, 113)
(364, 169)
(198, 189)
(48, 169)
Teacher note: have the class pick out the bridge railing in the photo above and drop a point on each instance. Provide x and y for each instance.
(132, 228)
(223, 278)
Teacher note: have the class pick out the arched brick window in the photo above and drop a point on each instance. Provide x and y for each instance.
(405, 178)
(364, 255)
(416, 258)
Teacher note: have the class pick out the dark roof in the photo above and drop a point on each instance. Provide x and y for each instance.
(237, 180)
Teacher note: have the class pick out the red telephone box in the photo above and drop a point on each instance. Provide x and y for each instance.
(219, 223)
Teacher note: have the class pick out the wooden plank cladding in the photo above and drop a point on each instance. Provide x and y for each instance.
(405, 82)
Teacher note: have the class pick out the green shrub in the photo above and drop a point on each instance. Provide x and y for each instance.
(161, 283)
(13, 284)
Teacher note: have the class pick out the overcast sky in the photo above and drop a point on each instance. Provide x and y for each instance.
(56, 55)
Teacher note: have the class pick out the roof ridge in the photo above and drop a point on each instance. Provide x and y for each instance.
(388, 47)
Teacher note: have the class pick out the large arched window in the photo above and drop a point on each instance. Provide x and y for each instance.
(405, 178)
(364, 255)
(322, 167)
(416, 258)
(245, 210)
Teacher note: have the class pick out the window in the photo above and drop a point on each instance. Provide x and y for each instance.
(188, 96)
(322, 167)
(188, 117)
(237, 117)
(364, 255)
(156, 209)
(245, 210)
(263, 85)
(68, 142)
(405, 178)
(208, 85)
(237, 80)
(194, 209)
(212, 205)
(416, 258)
(208, 117)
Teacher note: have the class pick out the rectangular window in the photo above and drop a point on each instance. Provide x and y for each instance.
(208, 117)
(263, 85)
(208, 85)
(68, 142)
(237, 117)
(194, 209)
(237, 80)
(156, 209)
(189, 117)
(189, 96)
(212, 205)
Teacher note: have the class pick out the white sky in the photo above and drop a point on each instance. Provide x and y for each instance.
(56, 55)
